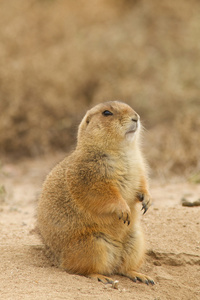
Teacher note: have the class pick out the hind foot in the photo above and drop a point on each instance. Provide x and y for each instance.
(105, 280)
(135, 276)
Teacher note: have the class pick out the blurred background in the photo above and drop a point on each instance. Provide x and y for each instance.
(59, 58)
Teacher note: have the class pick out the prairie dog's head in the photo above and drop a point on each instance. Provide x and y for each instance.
(109, 125)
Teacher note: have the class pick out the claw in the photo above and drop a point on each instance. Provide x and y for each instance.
(146, 281)
(124, 216)
(145, 198)
(139, 279)
(127, 220)
(115, 284)
(145, 208)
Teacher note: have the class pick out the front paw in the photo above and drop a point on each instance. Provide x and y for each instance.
(124, 214)
(146, 201)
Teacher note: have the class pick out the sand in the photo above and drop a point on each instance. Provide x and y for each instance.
(172, 233)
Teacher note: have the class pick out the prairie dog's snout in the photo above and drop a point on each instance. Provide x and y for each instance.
(136, 121)
(133, 126)
(135, 118)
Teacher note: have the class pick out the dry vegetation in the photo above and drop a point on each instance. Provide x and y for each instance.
(57, 58)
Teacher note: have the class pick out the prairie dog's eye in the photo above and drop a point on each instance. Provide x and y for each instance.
(107, 113)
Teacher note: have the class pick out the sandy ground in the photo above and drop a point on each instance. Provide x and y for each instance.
(172, 234)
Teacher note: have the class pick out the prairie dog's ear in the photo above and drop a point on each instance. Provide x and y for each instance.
(83, 125)
(87, 120)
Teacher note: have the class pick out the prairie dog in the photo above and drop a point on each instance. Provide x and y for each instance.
(88, 214)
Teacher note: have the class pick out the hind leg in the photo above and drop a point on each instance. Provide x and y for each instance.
(133, 257)
(92, 257)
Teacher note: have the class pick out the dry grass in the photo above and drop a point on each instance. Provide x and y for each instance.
(58, 58)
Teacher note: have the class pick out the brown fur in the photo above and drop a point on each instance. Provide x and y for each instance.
(88, 213)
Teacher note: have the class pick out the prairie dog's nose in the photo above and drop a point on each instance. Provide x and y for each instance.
(135, 118)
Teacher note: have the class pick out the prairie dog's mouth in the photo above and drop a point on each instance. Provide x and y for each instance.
(132, 129)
